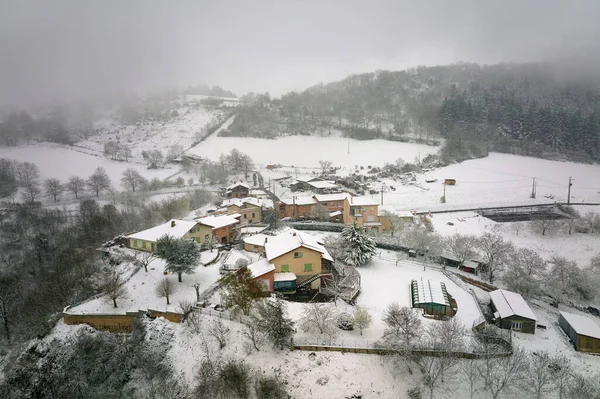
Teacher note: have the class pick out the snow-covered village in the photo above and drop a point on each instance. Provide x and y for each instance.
(414, 232)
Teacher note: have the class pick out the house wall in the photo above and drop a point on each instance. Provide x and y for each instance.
(141, 245)
(223, 234)
(201, 233)
(528, 325)
(582, 343)
(250, 248)
(239, 192)
(333, 206)
(267, 279)
(250, 213)
(296, 265)
(368, 213)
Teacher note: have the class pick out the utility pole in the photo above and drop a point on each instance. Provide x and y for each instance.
(569, 194)
(382, 193)
(444, 196)
(348, 147)
(533, 189)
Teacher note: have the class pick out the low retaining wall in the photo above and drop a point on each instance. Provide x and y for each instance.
(117, 323)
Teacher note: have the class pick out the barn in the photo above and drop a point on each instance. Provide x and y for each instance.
(431, 296)
(512, 312)
(583, 331)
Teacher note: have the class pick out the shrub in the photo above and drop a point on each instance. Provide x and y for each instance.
(345, 321)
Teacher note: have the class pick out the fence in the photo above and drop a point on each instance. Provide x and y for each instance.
(117, 322)
(317, 344)
(225, 315)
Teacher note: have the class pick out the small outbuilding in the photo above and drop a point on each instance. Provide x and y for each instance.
(583, 331)
(431, 296)
(512, 312)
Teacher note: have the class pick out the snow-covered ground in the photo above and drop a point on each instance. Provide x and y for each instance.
(499, 179)
(59, 162)
(141, 293)
(307, 151)
(578, 247)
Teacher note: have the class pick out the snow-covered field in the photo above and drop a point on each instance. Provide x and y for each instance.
(499, 179)
(578, 247)
(307, 151)
(141, 293)
(60, 162)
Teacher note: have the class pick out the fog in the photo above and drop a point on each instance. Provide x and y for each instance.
(67, 50)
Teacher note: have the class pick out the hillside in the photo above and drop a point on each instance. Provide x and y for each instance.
(529, 109)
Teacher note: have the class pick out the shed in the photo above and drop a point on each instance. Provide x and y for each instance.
(470, 266)
(582, 330)
(431, 296)
(512, 312)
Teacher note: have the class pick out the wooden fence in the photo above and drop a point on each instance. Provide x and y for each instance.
(117, 322)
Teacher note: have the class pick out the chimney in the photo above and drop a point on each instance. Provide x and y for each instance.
(294, 234)
(172, 223)
(266, 238)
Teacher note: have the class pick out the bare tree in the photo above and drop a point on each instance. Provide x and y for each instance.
(145, 258)
(76, 185)
(445, 338)
(253, 336)
(319, 318)
(507, 372)
(362, 319)
(165, 288)
(592, 219)
(132, 179)
(320, 212)
(27, 173)
(470, 372)
(98, 181)
(197, 289)
(403, 326)
(562, 372)
(543, 224)
(53, 188)
(325, 166)
(219, 331)
(10, 297)
(495, 251)
(581, 387)
(461, 246)
(186, 307)
(524, 272)
(540, 376)
(31, 192)
(113, 285)
(421, 240)
(396, 222)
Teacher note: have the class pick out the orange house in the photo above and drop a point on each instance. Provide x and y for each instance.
(224, 227)
(264, 272)
(363, 211)
(297, 207)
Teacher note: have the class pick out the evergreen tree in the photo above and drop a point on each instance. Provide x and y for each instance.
(180, 254)
(271, 318)
(358, 247)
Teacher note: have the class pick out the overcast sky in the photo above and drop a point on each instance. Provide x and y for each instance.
(69, 49)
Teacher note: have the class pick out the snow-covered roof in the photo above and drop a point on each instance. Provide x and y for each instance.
(256, 239)
(239, 184)
(292, 239)
(306, 179)
(232, 257)
(321, 184)
(332, 197)
(448, 255)
(582, 325)
(219, 221)
(427, 291)
(471, 264)
(336, 213)
(404, 214)
(510, 303)
(304, 200)
(239, 202)
(363, 201)
(286, 276)
(253, 229)
(261, 267)
(174, 228)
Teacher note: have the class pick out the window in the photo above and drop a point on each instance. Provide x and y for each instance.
(206, 237)
(245, 216)
(370, 218)
(516, 325)
(297, 254)
(153, 247)
(253, 214)
(285, 268)
(352, 211)
(324, 203)
(135, 243)
(144, 244)
(256, 247)
(308, 267)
